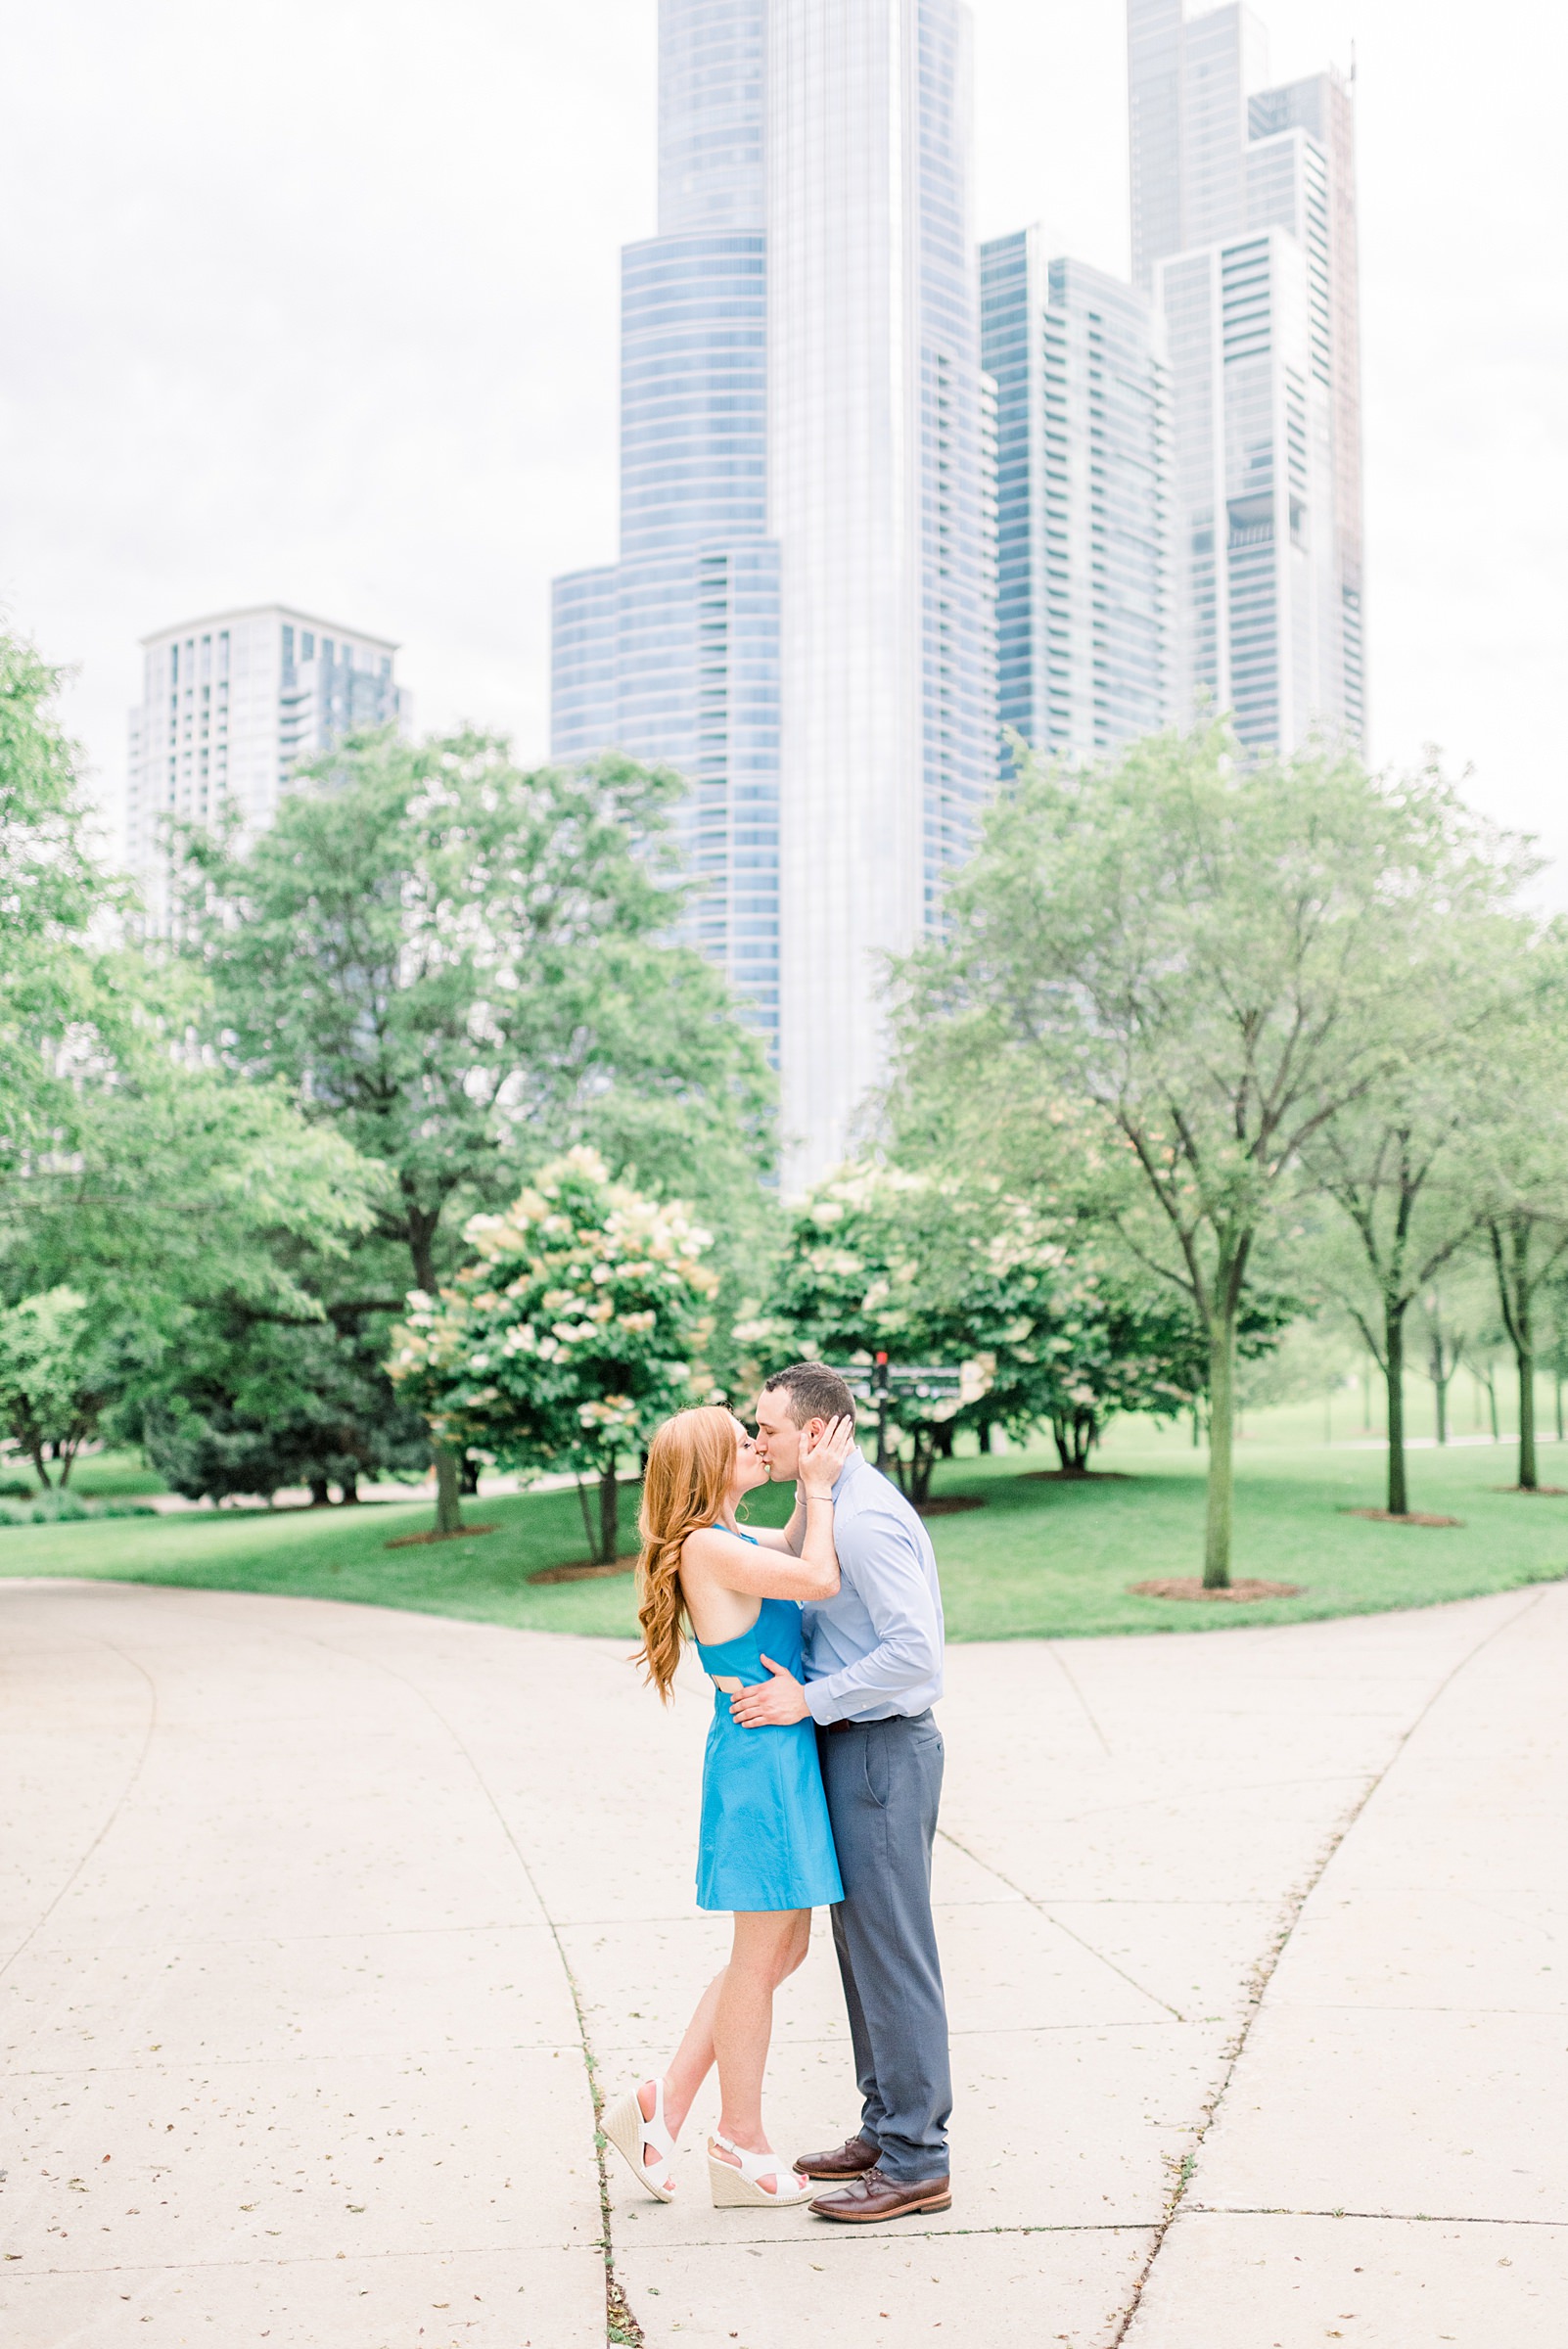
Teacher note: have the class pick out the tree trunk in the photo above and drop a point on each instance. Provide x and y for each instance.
(320, 1496)
(468, 1475)
(39, 1463)
(1528, 1476)
(1398, 1503)
(1492, 1400)
(448, 1503)
(448, 1506)
(1510, 1249)
(1073, 1439)
(609, 1516)
(921, 1464)
(1222, 1465)
(1440, 1389)
(348, 1488)
(986, 1425)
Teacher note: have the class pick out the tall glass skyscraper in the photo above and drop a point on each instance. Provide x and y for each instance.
(1244, 230)
(671, 654)
(1082, 624)
(880, 471)
(801, 620)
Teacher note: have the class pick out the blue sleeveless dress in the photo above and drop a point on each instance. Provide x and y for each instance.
(766, 1842)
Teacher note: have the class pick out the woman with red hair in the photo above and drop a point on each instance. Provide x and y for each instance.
(765, 1849)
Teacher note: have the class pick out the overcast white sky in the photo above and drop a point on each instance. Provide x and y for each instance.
(317, 301)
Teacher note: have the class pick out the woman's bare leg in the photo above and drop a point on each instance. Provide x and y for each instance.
(691, 2062)
(768, 1946)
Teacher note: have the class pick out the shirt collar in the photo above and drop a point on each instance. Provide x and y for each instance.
(855, 1460)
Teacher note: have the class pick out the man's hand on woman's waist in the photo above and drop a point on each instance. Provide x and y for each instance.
(773, 1704)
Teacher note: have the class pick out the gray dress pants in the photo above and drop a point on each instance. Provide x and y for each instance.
(884, 1783)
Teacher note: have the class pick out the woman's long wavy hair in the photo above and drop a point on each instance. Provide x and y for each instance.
(691, 1466)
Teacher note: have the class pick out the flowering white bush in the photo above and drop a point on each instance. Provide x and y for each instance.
(932, 1269)
(580, 1325)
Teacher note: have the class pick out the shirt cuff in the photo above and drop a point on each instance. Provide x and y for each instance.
(819, 1704)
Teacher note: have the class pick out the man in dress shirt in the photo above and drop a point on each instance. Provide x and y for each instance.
(873, 1670)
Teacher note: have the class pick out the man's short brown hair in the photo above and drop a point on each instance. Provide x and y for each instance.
(814, 1392)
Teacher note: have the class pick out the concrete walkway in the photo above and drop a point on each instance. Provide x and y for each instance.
(315, 1918)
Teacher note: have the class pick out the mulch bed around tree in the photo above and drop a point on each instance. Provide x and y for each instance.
(585, 1572)
(1544, 1491)
(462, 1533)
(1189, 1586)
(951, 1504)
(1388, 1517)
(1075, 1476)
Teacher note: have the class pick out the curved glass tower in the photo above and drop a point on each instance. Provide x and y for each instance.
(671, 654)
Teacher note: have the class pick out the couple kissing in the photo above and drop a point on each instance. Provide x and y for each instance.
(821, 1781)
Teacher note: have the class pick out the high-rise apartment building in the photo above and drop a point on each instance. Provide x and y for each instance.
(230, 706)
(1082, 624)
(1244, 231)
(801, 619)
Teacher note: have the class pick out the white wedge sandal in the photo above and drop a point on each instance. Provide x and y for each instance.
(629, 2128)
(731, 2186)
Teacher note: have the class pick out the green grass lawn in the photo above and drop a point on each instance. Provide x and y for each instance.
(115, 1475)
(1039, 1558)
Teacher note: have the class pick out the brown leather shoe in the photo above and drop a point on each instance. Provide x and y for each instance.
(871, 2196)
(852, 2159)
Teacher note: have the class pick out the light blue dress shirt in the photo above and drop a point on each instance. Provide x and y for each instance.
(875, 1650)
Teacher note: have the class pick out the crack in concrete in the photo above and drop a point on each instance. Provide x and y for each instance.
(1061, 1664)
(1262, 1972)
(620, 2326)
(118, 1805)
(1052, 1918)
(908, 2235)
(1395, 2218)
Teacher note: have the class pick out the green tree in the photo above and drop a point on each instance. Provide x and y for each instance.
(1443, 1328)
(935, 1269)
(172, 1183)
(1400, 1161)
(880, 1260)
(49, 890)
(251, 1402)
(1525, 1160)
(57, 1375)
(137, 1180)
(460, 967)
(1216, 954)
(579, 1330)
(174, 1200)
(1513, 1152)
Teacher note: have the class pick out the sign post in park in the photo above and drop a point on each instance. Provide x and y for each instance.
(881, 1382)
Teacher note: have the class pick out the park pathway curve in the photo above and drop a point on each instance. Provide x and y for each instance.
(317, 1924)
